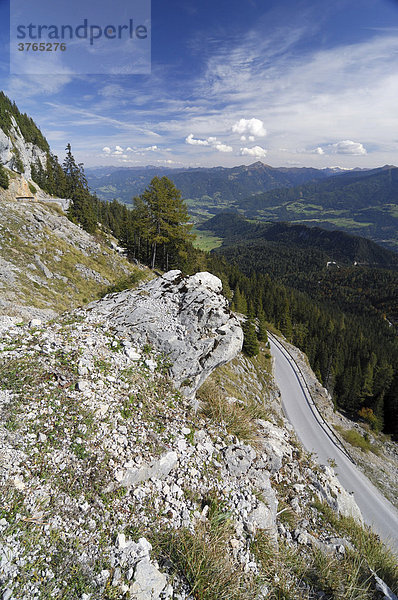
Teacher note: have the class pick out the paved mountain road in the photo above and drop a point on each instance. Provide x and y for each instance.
(316, 437)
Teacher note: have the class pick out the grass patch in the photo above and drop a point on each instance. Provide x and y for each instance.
(206, 240)
(375, 554)
(295, 573)
(239, 419)
(125, 283)
(202, 557)
(354, 438)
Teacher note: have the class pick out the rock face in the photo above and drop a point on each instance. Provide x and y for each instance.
(14, 146)
(330, 490)
(186, 318)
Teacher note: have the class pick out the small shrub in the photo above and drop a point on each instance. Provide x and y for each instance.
(354, 438)
(32, 188)
(368, 415)
(4, 179)
(126, 283)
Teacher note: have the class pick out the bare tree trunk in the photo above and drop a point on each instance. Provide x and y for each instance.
(154, 256)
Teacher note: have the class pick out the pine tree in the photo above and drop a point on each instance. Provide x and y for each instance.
(250, 342)
(239, 303)
(262, 334)
(162, 216)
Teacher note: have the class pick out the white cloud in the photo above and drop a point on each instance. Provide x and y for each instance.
(106, 149)
(253, 127)
(223, 147)
(210, 141)
(150, 149)
(348, 147)
(256, 151)
(194, 142)
(119, 149)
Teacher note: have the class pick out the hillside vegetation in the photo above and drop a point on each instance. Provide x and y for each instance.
(49, 265)
(204, 187)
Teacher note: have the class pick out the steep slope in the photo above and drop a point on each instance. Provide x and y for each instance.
(114, 487)
(48, 264)
(21, 142)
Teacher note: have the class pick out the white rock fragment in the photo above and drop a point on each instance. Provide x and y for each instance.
(149, 582)
(157, 470)
(35, 323)
(18, 484)
(132, 354)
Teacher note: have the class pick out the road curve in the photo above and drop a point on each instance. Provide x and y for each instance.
(316, 437)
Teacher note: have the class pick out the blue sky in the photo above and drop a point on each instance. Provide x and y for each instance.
(290, 83)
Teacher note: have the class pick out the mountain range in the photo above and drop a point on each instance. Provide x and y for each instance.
(360, 201)
(217, 183)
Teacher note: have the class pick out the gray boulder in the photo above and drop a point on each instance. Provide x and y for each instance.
(186, 318)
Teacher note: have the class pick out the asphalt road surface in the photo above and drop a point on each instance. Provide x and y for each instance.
(316, 437)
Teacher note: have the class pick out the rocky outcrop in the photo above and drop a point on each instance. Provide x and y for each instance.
(15, 147)
(185, 318)
(330, 490)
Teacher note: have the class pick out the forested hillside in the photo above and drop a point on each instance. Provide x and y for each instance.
(364, 203)
(331, 245)
(215, 185)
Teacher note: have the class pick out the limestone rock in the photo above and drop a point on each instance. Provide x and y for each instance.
(158, 470)
(16, 144)
(330, 489)
(239, 459)
(186, 318)
(149, 582)
(262, 518)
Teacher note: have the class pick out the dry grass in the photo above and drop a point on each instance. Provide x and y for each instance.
(239, 419)
(204, 560)
(353, 437)
(295, 573)
(368, 545)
